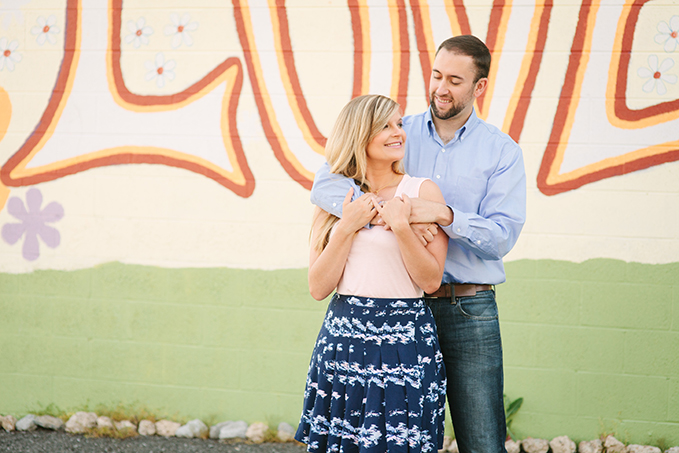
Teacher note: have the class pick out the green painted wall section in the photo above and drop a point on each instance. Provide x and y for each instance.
(591, 347)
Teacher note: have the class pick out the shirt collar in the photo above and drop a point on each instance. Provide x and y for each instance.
(471, 122)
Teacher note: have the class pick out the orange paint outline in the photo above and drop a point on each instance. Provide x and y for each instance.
(549, 180)
(618, 113)
(495, 40)
(400, 52)
(360, 25)
(519, 102)
(5, 117)
(13, 170)
(272, 128)
(290, 79)
(240, 180)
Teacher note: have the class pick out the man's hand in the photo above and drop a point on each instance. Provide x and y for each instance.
(425, 232)
(425, 211)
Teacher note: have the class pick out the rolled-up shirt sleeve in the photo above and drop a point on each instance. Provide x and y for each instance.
(329, 190)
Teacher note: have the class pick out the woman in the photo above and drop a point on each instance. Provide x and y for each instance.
(376, 381)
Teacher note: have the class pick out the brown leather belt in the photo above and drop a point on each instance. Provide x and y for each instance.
(449, 290)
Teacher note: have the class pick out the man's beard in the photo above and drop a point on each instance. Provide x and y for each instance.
(455, 109)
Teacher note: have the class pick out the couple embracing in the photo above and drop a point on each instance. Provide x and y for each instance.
(410, 235)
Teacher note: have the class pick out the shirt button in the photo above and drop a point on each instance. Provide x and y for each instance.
(459, 229)
(443, 150)
(438, 176)
(334, 204)
(478, 242)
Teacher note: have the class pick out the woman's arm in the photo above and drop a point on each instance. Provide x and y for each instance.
(424, 263)
(326, 267)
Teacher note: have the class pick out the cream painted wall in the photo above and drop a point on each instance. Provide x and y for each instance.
(158, 214)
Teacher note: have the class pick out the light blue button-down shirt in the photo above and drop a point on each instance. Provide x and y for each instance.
(482, 178)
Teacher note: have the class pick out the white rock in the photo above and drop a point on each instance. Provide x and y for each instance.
(634, 448)
(286, 432)
(81, 422)
(453, 448)
(125, 425)
(531, 445)
(166, 428)
(672, 450)
(194, 428)
(184, 431)
(449, 445)
(590, 446)
(49, 422)
(9, 422)
(104, 422)
(446, 443)
(562, 444)
(613, 445)
(256, 432)
(27, 423)
(232, 430)
(214, 429)
(147, 428)
(199, 428)
(512, 446)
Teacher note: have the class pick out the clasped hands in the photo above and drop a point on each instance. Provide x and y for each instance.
(395, 213)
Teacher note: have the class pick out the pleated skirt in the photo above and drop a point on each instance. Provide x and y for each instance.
(376, 380)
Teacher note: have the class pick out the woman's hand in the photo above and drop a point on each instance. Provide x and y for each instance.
(395, 213)
(424, 261)
(358, 213)
(326, 267)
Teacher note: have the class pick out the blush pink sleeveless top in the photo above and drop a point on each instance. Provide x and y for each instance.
(374, 267)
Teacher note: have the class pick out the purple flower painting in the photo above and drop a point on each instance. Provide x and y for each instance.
(33, 223)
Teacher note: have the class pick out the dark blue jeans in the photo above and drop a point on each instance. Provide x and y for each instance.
(469, 334)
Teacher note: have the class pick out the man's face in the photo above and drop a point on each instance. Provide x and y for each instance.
(451, 86)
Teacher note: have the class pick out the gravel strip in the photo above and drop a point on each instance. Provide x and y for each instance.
(44, 441)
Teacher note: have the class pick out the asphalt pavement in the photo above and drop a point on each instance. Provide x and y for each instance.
(46, 441)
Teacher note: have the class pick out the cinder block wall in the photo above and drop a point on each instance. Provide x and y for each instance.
(591, 347)
(226, 343)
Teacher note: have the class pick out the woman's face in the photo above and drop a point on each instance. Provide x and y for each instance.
(389, 144)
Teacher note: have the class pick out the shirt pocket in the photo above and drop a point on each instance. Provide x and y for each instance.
(465, 193)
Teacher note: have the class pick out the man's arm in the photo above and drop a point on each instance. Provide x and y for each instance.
(329, 190)
(492, 232)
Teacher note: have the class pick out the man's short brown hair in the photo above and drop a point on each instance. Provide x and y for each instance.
(471, 46)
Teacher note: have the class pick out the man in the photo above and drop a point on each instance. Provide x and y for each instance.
(481, 174)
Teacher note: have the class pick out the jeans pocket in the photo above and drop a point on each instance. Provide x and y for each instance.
(481, 307)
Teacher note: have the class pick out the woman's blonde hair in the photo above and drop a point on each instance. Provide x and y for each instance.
(357, 125)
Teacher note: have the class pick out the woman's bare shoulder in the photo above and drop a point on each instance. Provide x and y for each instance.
(430, 191)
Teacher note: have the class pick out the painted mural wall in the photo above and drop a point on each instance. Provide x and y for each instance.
(176, 138)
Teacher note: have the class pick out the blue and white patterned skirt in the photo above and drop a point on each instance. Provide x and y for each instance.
(376, 381)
